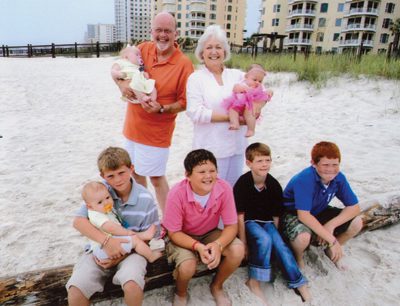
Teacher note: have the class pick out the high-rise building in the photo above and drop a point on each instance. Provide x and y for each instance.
(103, 33)
(193, 16)
(335, 25)
(132, 19)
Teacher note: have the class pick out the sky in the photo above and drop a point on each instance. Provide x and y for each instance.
(65, 21)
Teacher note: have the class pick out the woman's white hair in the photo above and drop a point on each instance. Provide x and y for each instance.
(216, 32)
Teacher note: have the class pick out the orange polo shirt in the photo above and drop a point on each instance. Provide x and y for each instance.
(156, 129)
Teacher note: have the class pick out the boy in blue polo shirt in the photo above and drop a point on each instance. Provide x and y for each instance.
(306, 199)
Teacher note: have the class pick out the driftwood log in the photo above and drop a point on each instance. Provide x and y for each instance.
(47, 287)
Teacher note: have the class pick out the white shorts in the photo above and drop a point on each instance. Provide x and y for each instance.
(147, 160)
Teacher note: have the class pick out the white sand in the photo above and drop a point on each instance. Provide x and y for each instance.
(56, 115)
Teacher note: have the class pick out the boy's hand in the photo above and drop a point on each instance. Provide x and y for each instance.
(204, 253)
(109, 263)
(114, 249)
(215, 252)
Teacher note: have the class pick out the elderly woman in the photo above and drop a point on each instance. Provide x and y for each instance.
(206, 89)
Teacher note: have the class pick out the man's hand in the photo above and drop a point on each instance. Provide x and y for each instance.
(151, 106)
(113, 248)
(126, 91)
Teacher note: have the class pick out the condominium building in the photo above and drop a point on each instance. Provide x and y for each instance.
(335, 25)
(103, 33)
(132, 20)
(193, 16)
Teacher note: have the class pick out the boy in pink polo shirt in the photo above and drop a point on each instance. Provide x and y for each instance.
(193, 209)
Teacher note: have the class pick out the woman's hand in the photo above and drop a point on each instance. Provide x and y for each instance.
(257, 107)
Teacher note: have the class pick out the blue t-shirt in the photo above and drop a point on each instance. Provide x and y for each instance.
(305, 191)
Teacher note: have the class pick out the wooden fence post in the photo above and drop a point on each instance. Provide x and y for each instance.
(4, 50)
(76, 50)
(7, 51)
(53, 50)
(295, 53)
(389, 52)
(360, 51)
(97, 49)
(28, 51)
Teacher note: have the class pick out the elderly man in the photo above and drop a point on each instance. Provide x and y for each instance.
(149, 126)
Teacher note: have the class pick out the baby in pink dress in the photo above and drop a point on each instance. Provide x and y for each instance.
(244, 95)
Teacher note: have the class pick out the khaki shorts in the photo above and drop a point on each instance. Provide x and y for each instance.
(90, 278)
(178, 255)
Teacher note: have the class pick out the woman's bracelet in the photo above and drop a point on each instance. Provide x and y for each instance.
(220, 245)
(105, 241)
(332, 244)
(194, 245)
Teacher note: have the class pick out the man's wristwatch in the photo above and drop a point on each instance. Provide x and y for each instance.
(161, 110)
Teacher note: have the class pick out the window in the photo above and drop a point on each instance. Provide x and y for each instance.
(384, 38)
(277, 8)
(228, 34)
(179, 7)
(336, 36)
(320, 36)
(322, 22)
(389, 7)
(228, 17)
(340, 7)
(275, 22)
(386, 23)
(324, 7)
(213, 7)
(213, 16)
(228, 26)
(229, 8)
(338, 22)
(179, 16)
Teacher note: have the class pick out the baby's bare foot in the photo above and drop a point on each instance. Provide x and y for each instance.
(148, 234)
(155, 255)
(234, 126)
(249, 133)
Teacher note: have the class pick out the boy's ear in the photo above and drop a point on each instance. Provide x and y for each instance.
(313, 164)
(132, 169)
(248, 163)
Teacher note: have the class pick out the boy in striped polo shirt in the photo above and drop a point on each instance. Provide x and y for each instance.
(138, 210)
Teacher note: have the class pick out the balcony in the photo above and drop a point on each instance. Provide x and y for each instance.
(355, 43)
(301, 1)
(199, 1)
(303, 12)
(300, 27)
(362, 11)
(169, 2)
(298, 41)
(360, 27)
(198, 7)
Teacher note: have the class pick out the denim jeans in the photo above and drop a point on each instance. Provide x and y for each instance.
(262, 240)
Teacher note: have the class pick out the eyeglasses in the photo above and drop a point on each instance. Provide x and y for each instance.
(166, 31)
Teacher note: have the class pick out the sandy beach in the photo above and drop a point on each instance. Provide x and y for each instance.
(56, 115)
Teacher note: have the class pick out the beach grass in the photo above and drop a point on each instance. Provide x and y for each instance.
(317, 68)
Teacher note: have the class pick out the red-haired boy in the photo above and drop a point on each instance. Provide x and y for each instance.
(307, 197)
